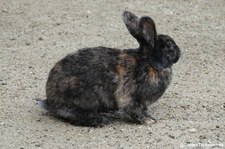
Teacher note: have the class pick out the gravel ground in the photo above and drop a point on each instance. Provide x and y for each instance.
(35, 34)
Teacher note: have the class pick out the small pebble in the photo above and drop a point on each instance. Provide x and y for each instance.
(171, 136)
(40, 38)
(12, 38)
(202, 137)
(5, 11)
(37, 145)
(90, 130)
(192, 130)
(223, 106)
(4, 83)
(27, 43)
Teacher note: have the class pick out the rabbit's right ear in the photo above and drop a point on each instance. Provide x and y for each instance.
(132, 23)
(148, 29)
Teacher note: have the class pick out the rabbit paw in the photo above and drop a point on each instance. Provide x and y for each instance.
(150, 121)
(99, 122)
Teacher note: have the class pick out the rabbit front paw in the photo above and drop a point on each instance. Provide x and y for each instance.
(149, 121)
(141, 117)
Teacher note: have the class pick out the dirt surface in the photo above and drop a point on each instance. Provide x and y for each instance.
(35, 34)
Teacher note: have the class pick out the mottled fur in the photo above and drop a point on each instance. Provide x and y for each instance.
(86, 84)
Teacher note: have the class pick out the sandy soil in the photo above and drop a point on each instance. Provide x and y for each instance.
(35, 34)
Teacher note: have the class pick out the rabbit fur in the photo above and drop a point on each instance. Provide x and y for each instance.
(92, 81)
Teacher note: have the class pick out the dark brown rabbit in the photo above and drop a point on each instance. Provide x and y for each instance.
(92, 81)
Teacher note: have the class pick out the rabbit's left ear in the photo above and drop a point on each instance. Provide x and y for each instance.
(132, 23)
(148, 30)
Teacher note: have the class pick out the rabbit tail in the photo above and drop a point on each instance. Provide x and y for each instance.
(43, 104)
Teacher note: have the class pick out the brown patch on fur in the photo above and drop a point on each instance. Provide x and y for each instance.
(126, 63)
(148, 25)
(153, 75)
(126, 86)
(68, 83)
(121, 70)
(130, 60)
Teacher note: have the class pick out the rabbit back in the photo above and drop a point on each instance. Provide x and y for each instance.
(85, 79)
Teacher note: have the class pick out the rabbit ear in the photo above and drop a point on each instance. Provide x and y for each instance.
(148, 29)
(132, 23)
(143, 29)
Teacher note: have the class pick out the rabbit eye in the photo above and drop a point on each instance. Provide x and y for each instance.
(170, 44)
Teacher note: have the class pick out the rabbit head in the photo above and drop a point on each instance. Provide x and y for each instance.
(161, 49)
(166, 51)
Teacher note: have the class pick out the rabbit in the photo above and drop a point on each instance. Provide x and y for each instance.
(85, 84)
